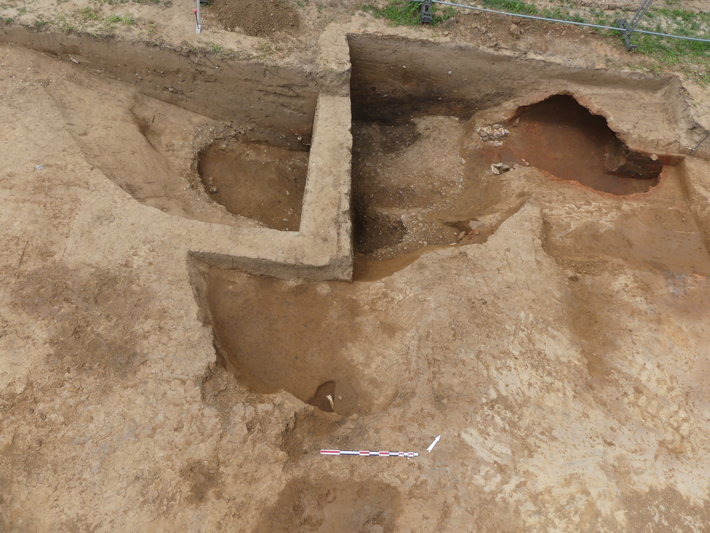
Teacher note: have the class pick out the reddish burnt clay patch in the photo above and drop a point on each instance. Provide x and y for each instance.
(563, 138)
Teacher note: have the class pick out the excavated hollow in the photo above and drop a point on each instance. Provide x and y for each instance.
(256, 180)
(294, 335)
(565, 139)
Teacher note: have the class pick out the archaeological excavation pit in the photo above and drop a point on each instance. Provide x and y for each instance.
(434, 133)
(434, 164)
(564, 139)
(425, 142)
(316, 340)
(309, 253)
(256, 180)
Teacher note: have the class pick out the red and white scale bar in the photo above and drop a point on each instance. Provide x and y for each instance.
(368, 453)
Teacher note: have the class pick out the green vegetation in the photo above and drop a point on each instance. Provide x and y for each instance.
(690, 56)
(117, 19)
(398, 12)
(89, 14)
(511, 6)
(405, 13)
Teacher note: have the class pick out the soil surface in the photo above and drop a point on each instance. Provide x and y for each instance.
(256, 181)
(255, 17)
(549, 321)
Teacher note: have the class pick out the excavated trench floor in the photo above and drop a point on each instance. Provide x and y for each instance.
(422, 181)
(256, 180)
(419, 183)
(295, 336)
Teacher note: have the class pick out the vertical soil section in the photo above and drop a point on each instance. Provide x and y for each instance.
(256, 181)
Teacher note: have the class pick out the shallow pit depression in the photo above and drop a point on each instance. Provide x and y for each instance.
(563, 138)
(312, 339)
(256, 180)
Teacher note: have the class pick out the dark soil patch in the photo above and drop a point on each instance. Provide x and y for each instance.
(325, 505)
(257, 181)
(405, 175)
(256, 17)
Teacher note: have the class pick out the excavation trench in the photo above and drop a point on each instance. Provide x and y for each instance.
(190, 134)
(421, 180)
(426, 164)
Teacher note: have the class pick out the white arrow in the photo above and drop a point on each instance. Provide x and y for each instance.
(431, 446)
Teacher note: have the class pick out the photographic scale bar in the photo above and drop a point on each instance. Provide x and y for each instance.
(368, 453)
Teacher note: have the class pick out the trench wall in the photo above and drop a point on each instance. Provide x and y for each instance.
(390, 73)
(274, 98)
(392, 76)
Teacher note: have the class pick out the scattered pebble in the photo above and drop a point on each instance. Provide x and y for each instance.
(39, 167)
(492, 133)
(499, 168)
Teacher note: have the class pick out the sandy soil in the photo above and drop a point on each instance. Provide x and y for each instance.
(549, 321)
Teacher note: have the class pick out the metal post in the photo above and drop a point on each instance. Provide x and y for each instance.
(627, 29)
(427, 14)
(198, 22)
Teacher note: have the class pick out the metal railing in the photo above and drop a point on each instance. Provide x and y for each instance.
(625, 28)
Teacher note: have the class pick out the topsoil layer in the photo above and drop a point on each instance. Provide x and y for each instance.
(256, 17)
